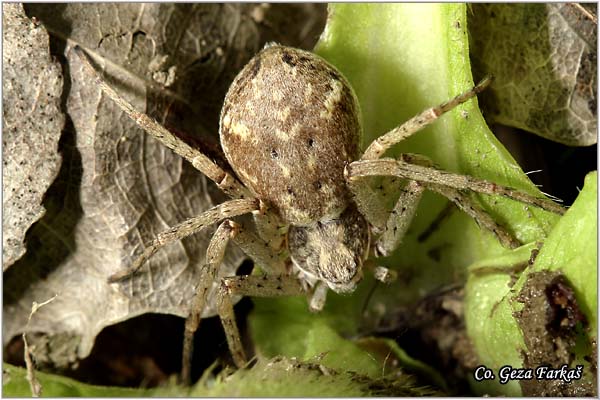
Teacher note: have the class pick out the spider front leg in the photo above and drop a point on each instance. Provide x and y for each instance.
(368, 201)
(466, 203)
(400, 218)
(463, 201)
(395, 224)
(428, 175)
(482, 218)
(451, 186)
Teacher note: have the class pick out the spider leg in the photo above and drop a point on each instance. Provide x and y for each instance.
(214, 257)
(415, 124)
(399, 219)
(427, 175)
(463, 201)
(260, 252)
(482, 218)
(393, 224)
(368, 201)
(186, 228)
(255, 286)
(447, 184)
(226, 182)
(319, 296)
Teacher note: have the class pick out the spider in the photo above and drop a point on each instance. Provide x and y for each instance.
(290, 130)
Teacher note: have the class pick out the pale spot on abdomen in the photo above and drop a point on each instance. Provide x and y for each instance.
(303, 129)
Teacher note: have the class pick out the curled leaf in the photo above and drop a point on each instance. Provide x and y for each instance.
(544, 312)
(31, 98)
(544, 59)
(118, 188)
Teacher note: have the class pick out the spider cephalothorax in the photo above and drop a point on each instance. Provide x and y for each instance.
(332, 251)
(290, 129)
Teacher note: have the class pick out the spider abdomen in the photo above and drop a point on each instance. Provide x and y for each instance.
(290, 123)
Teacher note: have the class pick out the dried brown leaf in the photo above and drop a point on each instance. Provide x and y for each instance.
(544, 59)
(32, 86)
(118, 187)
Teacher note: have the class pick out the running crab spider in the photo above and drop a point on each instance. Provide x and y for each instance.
(290, 130)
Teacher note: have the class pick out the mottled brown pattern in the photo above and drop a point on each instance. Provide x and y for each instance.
(288, 136)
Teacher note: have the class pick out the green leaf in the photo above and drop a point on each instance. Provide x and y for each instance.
(572, 248)
(491, 326)
(286, 327)
(282, 377)
(402, 59)
(278, 377)
(491, 304)
(542, 56)
(15, 384)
